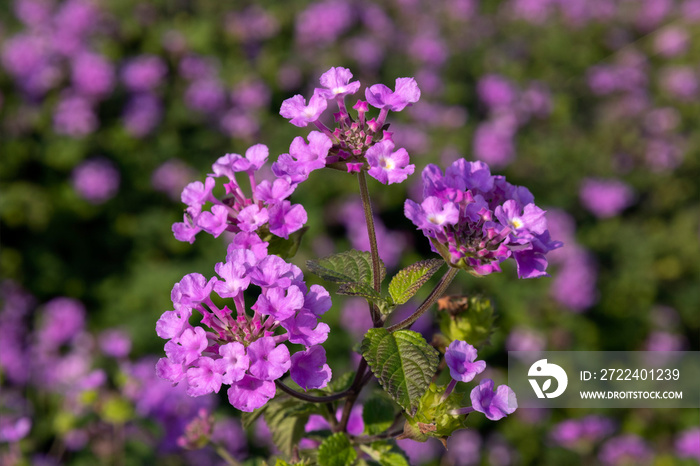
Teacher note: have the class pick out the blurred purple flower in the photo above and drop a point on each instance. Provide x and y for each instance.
(205, 95)
(114, 343)
(496, 91)
(574, 285)
(663, 154)
(13, 430)
(323, 22)
(671, 41)
(171, 177)
(33, 13)
(526, 339)
(625, 449)
(494, 144)
(605, 198)
(96, 180)
(355, 317)
(665, 341)
(252, 24)
(143, 73)
(680, 81)
(464, 448)
(142, 113)
(688, 444)
(92, 74)
(251, 95)
(420, 452)
(62, 320)
(74, 116)
(582, 433)
(195, 67)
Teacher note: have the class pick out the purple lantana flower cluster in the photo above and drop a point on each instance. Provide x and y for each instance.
(460, 357)
(476, 220)
(355, 143)
(237, 349)
(267, 210)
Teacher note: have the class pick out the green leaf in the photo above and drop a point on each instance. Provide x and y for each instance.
(285, 248)
(385, 454)
(286, 419)
(409, 280)
(403, 362)
(378, 415)
(247, 419)
(393, 459)
(359, 289)
(336, 450)
(347, 267)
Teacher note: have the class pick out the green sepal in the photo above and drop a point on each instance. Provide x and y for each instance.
(432, 419)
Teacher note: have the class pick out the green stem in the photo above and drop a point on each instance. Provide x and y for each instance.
(374, 251)
(429, 301)
(374, 438)
(221, 451)
(312, 398)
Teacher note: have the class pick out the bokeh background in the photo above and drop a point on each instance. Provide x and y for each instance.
(108, 108)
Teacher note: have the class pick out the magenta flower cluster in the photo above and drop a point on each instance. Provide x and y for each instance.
(237, 349)
(266, 209)
(355, 144)
(460, 357)
(475, 220)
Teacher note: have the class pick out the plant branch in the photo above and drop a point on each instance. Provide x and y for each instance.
(429, 301)
(374, 251)
(354, 392)
(311, 398)
(374, 438)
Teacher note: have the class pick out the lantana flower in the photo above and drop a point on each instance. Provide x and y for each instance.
(475, 220)
(267, 209)
(243, 349)
(355, 143)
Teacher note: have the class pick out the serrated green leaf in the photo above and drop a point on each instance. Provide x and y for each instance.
(359, 289)
(378, 415)
(403, 362)
(336, 450)
(408, 281)
(347, 267)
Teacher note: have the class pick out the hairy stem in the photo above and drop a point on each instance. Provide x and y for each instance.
(312, 398)
(374, 251)
(429, 301)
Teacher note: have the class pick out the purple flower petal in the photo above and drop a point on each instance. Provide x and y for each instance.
(309, 368)
(249, 393)
(460, 357)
